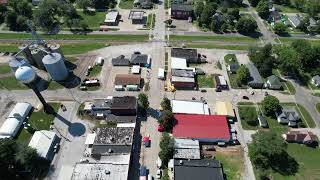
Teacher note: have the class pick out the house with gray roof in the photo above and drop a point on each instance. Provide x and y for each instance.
(273, 82)
(256, 79)
(294, 20)
(288, 115)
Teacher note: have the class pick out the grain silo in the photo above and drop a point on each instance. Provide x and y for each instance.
(27, 53)
(16, 62)
(54, 64)
(38, 56)
(55, 48)
(25, 74)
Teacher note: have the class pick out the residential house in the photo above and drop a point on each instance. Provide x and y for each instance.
(140, 59)
(127, 79)
(301, 137)
(120, 61)
(316, 80)
(288, 116)
(204, 169)
(273, 82)
(4, 2)
(256, 79)
(181, 11)
(233, 68)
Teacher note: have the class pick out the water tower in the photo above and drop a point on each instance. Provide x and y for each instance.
(26, 75)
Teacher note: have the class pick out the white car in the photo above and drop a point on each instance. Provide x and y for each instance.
(159, 173)
(252, 92)
(159, 162)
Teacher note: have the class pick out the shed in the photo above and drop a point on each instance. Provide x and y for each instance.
(112, 18)
(233, 68)
(262, 121)
(10, 128)
(273, 82)
(43, 141)
(221, 82)
(136, 16)
(135, 70)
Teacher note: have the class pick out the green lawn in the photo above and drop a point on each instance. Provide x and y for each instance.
(245, 103)
(212, 38)
(11, 83)
(80, 48)
(308, 160)
(286, 9)
(5, 69)
(205, 81)
(288, 85)
(39, 121)
(318, 107)
(126, 4)
(167, 4)
(233, 164)
(307, 117)
(287, 40)
(247, 113)
(94, 20)
(107, 37)
(233, 82)
(9, 47)
(95, 71)
(217, 46)
(230, 59)
(53, 85)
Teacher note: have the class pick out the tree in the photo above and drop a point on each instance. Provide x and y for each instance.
(198, 9)
(299, 4)
(280, 28)
(215, 25)
(303, 26)
(26, 157)
(312, 7)
(3, 11)
(166, 148)
(167, 120)
(270, 104)
(84, 4)
(246, 25)
(254, 3)
(234, 12)
(306, 53)
(263, 59)
(263, 9)
(47, 15)
(282, 2)
(143, 101)
(7, 158)
(266, 149)
(287, 59)
(243, 75)
(166, 104)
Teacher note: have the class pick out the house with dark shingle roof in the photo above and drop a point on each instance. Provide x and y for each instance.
(140, 59)
(120, 61)
(273, 82)
(181, 11)
(302, 137)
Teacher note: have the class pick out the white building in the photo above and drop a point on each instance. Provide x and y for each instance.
(135, 69)
(43, 141)
(12, 124)
(189, 107)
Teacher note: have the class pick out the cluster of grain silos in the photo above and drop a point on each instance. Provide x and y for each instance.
(48, 57)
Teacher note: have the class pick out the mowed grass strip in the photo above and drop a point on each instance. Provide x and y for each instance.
(107, 37)
(11, 83)
(217, 46)
(5, 69)
(213, 38)
(206, 81)
(248, 117)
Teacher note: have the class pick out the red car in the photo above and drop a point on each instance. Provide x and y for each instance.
(160, 128)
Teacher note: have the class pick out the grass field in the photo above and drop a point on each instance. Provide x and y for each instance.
(9, 47)
(318, 107)
(5, 69)
(216, 46)
(288, 85)
(53, 85)
(230, 59)
(39, 121)
(94, 20)
(95, 71)
(126, 4)
(307, 117)
(107, 37)
(286, 9)
(151, 20)
(245, 103)
(233, 164)
(205, 81)
(308, 160)
(11, 83)
(80, 48)
(287, 40)
(248, 113)
(212, 38)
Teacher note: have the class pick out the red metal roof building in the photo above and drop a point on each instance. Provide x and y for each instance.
(205, 128)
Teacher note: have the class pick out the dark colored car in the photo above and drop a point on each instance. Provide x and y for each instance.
(218, 89)
(203, 90)
(245, 97)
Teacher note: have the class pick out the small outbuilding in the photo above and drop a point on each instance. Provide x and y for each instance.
(221, 82)
(112, 18)
(262, 121)
(137, 17)
(44, 141)
(135, 69)
(273, 82)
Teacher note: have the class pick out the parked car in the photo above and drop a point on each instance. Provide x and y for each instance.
(218, 89)
(245, 97)
(203, 90)
(84, 160)
(83, 88)
(146, 141)
(159, 173)
(232, 130)
(193, 98)
(136, 52)
(266, 93)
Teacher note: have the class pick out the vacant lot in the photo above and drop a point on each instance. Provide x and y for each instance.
(248, 117)
(206, 81)
(232, 162)
(11, 83)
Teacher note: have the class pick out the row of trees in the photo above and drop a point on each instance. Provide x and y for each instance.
(18, 161)
(50, 14)
(228, 19)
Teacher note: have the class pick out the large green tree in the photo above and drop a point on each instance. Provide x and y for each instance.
(246, 25)
(270, 104)
(263, 9)
(263, 59)
(167, 120)
(199, 6)
(313, 7)
(166, 104)
(166, 148)
(143, 101)
(280, 28)
(266, 148)
(288, 59)
(243, 75)
(206, 14)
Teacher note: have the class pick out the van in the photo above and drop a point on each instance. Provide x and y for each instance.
(119, 88)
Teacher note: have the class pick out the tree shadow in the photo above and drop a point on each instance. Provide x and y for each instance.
(285, 165)
(252, 34)
(153, 113)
